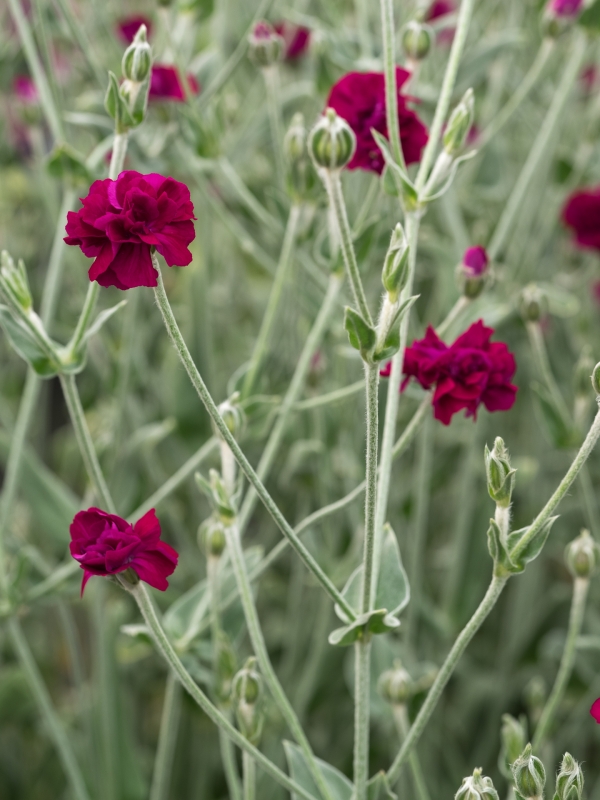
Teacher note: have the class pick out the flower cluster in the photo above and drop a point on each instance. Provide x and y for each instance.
(359, 98)
(471, 371)
(106, 544)
(121, 221)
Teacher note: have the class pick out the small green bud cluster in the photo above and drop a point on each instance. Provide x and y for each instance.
(395, 685)
(395, 267)
(569, 781)
(265, 45)
(582, 556)
(220, 498)
(500, 475)
(247, 693)
(513, 735)
(534, 303)
(14, 283)
(211, 537)
(127, 103)
(416, 40)
(331, 142)
(476, 787)
(225, 667)
(459, 124)
(301, 175)
(529, 775)
(137, 59)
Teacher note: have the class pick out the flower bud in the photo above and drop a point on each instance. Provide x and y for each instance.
(560, 15)
(529, 774)
(582, 556)
(534, 303)
(246, 691)
(500, 476)
(596, 379)
(395, 268)
(137, 59)
(217, 493)
(459, 124)
(225, 664)
(477, 787)
(569, 781)
(301, 177)
(294, 142)
(331, 142)
(265, 45)
(395, 685)
(416, 40)
(513, 735)
(583, 369)
(233, 414)
(211, 537)
(473, 271)
(14, 281)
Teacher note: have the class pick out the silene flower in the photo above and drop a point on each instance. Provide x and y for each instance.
(295, 37)
(359, 98)
(121, 220)
(129, 26)
(106, 544)
(471, 371)
(565, 8)
(595, 710)
(439, 8)
(166, 84)
(475, 261)
(582, 214)
(25, 90)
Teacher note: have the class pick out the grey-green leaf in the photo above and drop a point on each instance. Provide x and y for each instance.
(393, 590)
(340, 787)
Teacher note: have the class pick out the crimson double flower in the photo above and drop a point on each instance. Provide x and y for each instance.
(122, 220)
(471, 371)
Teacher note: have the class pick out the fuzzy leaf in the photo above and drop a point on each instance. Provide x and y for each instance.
(534, 547)
(391, 345)
(404, 186)
(340, 787)
(361, 334)
(393, 590)
(26, 345)
(378, 621)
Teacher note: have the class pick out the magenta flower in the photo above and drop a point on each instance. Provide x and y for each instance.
(165, 84)
(129, 26)
(295, 37)
(465, 374)
(359, 98)
(475, 261)
(582, 213)
(121, 221)
(595, 710)
(26, 90)
(440, 8)
(565, 8)
(105, 544)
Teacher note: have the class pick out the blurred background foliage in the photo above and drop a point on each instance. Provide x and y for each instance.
(146, 420)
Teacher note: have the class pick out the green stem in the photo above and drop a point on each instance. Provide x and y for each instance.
(55, 262)
(372, 403)
(247, 469)
(249, 768)
(362, 688)
(401, 720)
(271, 77)
(441, 112)
(538, 150)
(361, 8)
(330, 397)
(106, 691)
(165, 647)
(580, 592)
(391, 88)
(274, 302)
(234, 548)
(333, 184)
(444, 674)
(167, 739)
(229, 766)
(536, 339)
(52, 720)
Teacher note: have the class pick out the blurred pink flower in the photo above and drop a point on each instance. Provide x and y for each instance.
(165, 84)
(475, 261)
(565, 8)
(595, 710)
(582, 213)
(129, 26)
(295, 37)
(25, 90)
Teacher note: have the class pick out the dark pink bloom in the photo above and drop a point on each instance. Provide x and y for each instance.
(26, 90)
(440, 8)
(129, 26)
(105, 544)
(262, 30)
(295, 37)
(465, 374)
(165, 83)
(582, 213)
(565, 8)
(595, 710)
(359, 98)
(120, 222)
(475, 261)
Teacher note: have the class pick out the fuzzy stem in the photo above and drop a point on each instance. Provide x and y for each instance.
(361, 8)
(249, 768)
(362, 687)
(247, 469)
(271, 76)
(402, 725)
(391, 88)
(167, 739)
(580, 592)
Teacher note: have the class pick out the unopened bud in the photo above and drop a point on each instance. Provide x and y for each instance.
(395, 268)
(247, 695)
(513, 735)
(582, 556)
(560, 15)
(331, 142)
(211, 537)
(265, 45)
(137, 59)
(294, 142)
(583, 369)
(301, 178)
(416, 40)
(500, 475)
(232, 414)
(596, 379)
(529, 774)
(216, 491)
(534, 303)
(472, 272)
(569, 781)
(459, 124)
(477, 787)
(14, 282)
(225, 665)
(395, 685)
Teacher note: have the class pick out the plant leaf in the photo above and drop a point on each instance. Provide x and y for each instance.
(26, 345)
(340, 787)
(393, 590)
(378, 621)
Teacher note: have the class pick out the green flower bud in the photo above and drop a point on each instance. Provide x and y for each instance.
(137, 59)
(583, 369)
(582, 556)
(14, 282)
(513, 735)
(459, 124)
(233, 414)
(331, 142)
(211, 537)
(416, 40)
(529, 774)
(569, 781)
(301, 177)
(477, 787)
(265, 45)
(395, 268)
(596, 379)
(225, 666)
(216, 491)
(294, 142)
(500, 476)
(395, 685)
(534, 303)
(246, 691)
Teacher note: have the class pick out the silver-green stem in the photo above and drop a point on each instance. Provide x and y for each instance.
(368, 562)
(362, 687)
(249, 771)
(443, 676)
(54, 273)
(167, 738)
(230, 766)
(333, 184)
(536, 339)
(391, 89)
(580, 592)
(402, 725)
(236, 554)
(294, 390)
(271, 76)
(53, 723)
(331, 397)
(274, 302)
(540, 146)
(166, 649)
(246, 467)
